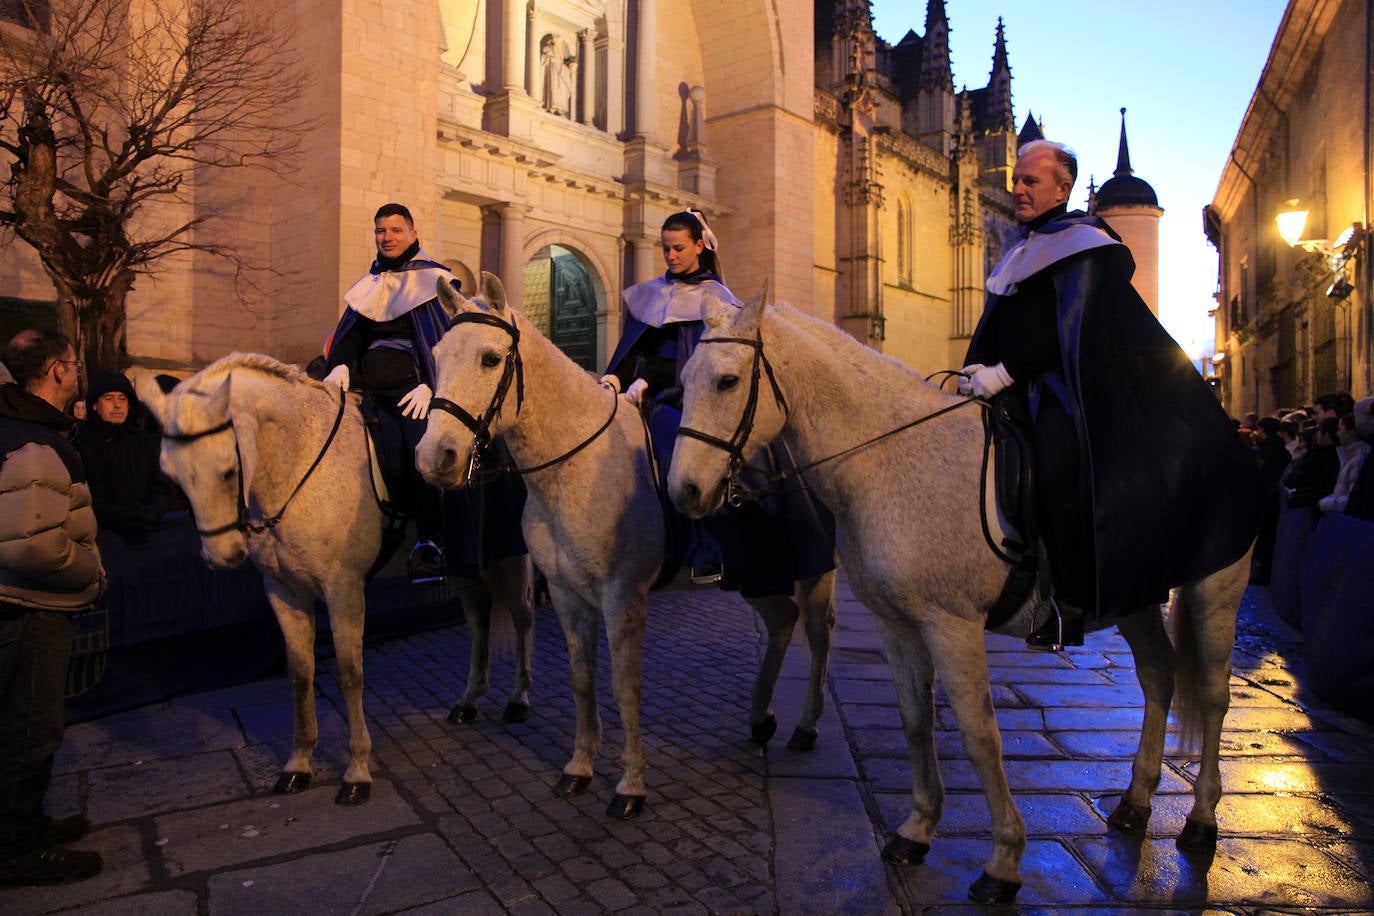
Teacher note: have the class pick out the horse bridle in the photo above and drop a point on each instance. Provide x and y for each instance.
(513, 371)
(243, 522)
(734, 446)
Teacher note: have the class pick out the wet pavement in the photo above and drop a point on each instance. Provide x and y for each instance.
(462, 819)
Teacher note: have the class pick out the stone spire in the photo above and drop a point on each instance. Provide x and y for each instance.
(999, 85)
(1123, 152)
(937, 73)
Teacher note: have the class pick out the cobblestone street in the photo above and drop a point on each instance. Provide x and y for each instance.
(462, 818)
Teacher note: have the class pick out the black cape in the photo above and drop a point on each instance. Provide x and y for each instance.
(1173, 492)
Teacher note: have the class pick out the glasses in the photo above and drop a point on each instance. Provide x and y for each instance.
(79, 364)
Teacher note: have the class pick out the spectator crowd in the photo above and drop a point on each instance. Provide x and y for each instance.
(1314, 458)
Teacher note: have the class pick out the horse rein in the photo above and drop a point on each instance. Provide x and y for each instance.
(735, 494)
(481, 428)
(243, 522)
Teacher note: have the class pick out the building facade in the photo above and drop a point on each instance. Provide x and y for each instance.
(546, 140)
(1293, 322)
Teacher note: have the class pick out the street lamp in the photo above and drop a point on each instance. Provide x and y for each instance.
(1291, 220)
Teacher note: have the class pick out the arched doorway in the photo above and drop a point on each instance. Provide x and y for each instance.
(563, 298)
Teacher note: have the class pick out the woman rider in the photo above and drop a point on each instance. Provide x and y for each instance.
(764, 547)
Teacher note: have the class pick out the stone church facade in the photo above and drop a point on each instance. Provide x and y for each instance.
(546, 140)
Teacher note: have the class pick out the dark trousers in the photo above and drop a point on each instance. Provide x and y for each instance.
(397, 436)
(34, 649)
(1061, 508)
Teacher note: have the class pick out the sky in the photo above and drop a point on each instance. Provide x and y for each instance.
(1185, 73)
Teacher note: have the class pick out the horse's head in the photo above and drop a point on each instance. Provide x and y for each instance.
(731, 407)
(209, 454)
(477, 365)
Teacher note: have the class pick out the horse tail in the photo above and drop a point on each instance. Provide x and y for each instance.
(501, 632)
(1187, 703)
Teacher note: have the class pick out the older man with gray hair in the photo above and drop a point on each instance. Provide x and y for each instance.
(1141, 483)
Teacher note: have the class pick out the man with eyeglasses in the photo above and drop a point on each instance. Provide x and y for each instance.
(49, 569)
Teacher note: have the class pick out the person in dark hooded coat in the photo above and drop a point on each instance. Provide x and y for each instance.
(1142, 482)
(128, 489)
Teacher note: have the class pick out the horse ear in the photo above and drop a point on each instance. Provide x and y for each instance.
(494, 291)
(149, 392)
(752, 312)
(245, 429)
(449, 298)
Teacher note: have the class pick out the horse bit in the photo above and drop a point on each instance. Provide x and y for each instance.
(735, 492)
(513, 371)
(243, 522)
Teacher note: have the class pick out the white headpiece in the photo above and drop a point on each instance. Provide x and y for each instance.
(707, 235)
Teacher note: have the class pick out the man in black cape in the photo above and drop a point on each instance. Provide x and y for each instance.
(1142, 483)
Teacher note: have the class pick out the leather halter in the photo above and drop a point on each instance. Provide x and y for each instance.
(734, 446)
(514, 371)
(243, 522)
(481, 428)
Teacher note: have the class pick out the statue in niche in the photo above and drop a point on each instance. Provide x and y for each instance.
(556, 65)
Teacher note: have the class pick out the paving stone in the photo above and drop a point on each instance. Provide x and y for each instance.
(157, 786)
(966, 814)
(157, 731)
(257, 828)
(163, 903)
(1245, 872)
(826, 847)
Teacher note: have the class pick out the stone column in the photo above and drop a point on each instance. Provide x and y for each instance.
(586, 77)
(615, 84)
(646, 92)
(513, 47)
(532, 56)
(512, 271)
(647, 263)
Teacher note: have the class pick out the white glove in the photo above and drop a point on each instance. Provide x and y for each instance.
(989, 380)
(415, 404)
(338, 376)
(612, 382)
(964, 381)
(635, 393)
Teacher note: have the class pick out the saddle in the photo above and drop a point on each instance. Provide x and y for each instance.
(1010, 441)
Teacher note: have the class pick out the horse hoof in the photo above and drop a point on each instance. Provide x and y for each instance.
(1129, 818)
(291, 783)
(353, 793)
(901, 851)
(1198, 837)
(515, 712)
(803, 739)
(989, 890)
(568, 786)
(625, 807)
(760, 732)
(462, 715)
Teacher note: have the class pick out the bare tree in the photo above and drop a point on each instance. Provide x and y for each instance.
(109, 111)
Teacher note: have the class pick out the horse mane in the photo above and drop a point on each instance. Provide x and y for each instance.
(256, 362)
(860, 358)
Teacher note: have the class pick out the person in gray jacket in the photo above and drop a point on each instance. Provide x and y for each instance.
(49, 569)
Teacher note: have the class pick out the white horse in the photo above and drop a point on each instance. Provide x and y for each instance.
(594, 519)
(248, 436)
(915, 554)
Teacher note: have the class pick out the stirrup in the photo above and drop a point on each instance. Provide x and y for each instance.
(705, 574)
(1063, 628)
(425, 564)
